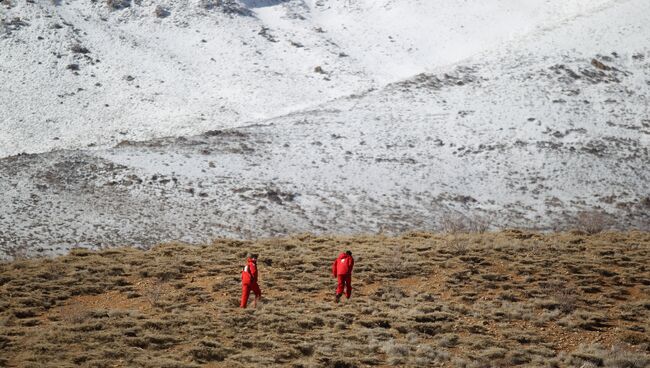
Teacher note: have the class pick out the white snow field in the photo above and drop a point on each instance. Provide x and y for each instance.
(142, 77)
(147, 121)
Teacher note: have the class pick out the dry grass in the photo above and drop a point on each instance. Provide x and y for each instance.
(505, 299)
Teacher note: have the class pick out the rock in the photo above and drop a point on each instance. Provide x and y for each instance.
(598, 65)
(161, 12)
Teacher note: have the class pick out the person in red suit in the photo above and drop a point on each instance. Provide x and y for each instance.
(342, 270)
(249, 282)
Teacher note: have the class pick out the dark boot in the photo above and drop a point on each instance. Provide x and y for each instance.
(338, 298)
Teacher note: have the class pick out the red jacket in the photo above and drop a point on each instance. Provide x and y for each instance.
(249, 273)
(343, 265)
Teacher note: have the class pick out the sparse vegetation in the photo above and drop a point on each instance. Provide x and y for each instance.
(459, 223)
(510, 298)
(592, 222)
(231, 7)
(14, 24)
(78, 48)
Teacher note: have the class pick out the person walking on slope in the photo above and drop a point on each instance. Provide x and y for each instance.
(249, 282)
(342, 270)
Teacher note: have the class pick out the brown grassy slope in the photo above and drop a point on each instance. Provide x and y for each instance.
(501, 299)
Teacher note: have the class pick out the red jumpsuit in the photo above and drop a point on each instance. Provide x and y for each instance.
(342, 270)
(249, 282)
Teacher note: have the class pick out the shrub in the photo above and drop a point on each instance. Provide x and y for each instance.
(395, 350)
(494, 353)
(153, 294)
(459, 223)
(448, 340)
(585, 320)
(202, 354)
(592, 222)
(74, 314)
(597, 355)
(427, 354)
(453, 224)
(77, 48)
(232, 7)
(566, 300)
(17, 253)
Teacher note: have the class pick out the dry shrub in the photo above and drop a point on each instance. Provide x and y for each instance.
(561, 297)
(232, 7)
(459, 223)
(480, 224)
(592, 222)
(493, 353)
(512, 311)
(426, 355)
(17, 253)
(209, 351)
(77, 48)
(397, 353)
(585, 320)
(566, 300)
(457, 245)
(74, 313)
(153, 294)
(453, 224)
(599, 356)
(518, 357)
(635, 338)
(448, 340)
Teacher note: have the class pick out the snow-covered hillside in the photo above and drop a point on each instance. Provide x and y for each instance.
(258, 118)
(79, 73)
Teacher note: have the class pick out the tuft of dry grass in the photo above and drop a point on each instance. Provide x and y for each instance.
(510, 298)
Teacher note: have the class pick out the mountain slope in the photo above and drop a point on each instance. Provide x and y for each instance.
(500, 299)
(528, 134)
(200, 65)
